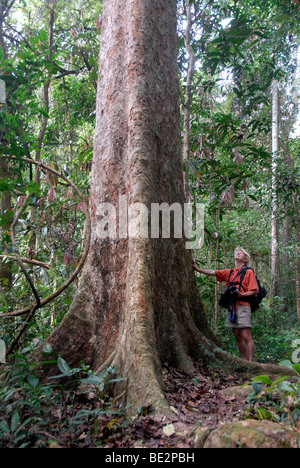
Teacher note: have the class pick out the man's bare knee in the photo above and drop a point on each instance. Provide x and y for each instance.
(246, 334)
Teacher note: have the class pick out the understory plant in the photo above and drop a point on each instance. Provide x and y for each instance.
(30, 405)
(277, 400)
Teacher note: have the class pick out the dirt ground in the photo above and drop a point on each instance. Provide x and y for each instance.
(195, 401)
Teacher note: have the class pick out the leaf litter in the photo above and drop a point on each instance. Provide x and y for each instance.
(195, 400)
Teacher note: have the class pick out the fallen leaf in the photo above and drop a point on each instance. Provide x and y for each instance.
(169, 430)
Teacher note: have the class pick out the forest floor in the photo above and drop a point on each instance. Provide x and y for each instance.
(195, 401)
(82, 418)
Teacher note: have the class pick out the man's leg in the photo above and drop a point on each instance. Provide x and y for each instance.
(246, 333)
(245, 343)
(241, 343)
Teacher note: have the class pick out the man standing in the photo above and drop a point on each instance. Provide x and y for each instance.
(242, 323)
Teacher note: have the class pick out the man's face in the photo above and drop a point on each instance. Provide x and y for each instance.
(241, 256)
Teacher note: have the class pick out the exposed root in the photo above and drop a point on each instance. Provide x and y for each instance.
(234, 364)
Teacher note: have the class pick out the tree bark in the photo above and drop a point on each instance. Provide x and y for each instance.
(137, 297)
(137, 306)
(188, 95)
(297, 255)
(5, 268)
(285, 274)
(274, 221)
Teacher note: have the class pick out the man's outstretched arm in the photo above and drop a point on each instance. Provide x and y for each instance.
(204, 271)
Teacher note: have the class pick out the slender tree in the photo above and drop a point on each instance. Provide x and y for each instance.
(5, 268)
(297, 249)
(188, 92)
(275, 229)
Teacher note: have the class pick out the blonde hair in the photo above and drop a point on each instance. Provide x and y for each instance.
(249, 262)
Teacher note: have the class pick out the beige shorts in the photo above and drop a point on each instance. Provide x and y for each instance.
(243, 318)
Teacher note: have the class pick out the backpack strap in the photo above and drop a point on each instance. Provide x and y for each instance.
(243, 273)
(240, 272)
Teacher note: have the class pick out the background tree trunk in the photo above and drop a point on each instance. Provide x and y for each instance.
(275, 229)
(297, 256)
(188, 94)
(5, 268)
(285, 273)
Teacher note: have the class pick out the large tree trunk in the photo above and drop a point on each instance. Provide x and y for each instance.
(137, 306)
(138, 300)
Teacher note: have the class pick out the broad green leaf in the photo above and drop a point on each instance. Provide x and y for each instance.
(9, 394)
(33, 380)
(286, 386)
(4, 429)
(264, 379)
(28, 420)
(47, 349)
(14, 421)
(94, 380)
(63, 367)
(286, 363)
(257, 387)
(263, 413)
(43, 113)
(277, 381)
(297, 368)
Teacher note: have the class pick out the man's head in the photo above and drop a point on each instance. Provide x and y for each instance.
(242, 256)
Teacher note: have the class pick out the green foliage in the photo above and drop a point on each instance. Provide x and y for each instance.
(247, 47)
(230, 156)
(276, 400)
(49, 114)
(240, 48)
(273, 338)
(29, 403)
(22, 401)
